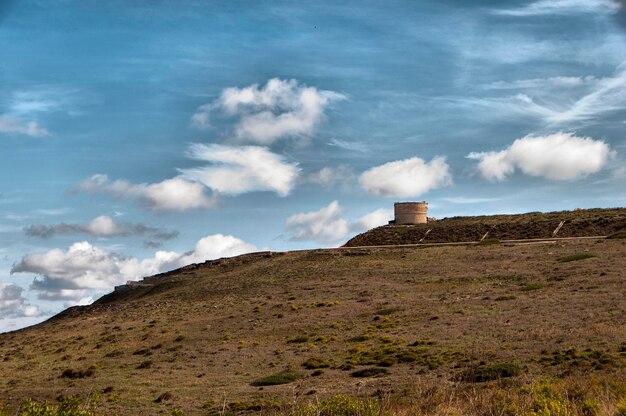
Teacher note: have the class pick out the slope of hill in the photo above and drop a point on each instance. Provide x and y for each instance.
(420, 327)
(580, 223)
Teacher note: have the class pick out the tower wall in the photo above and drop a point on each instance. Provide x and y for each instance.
(411, 212)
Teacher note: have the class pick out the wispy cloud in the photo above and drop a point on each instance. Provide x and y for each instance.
(348, 145)
(329, 177)
(103, 226)
(561, 7)
(22, 109)
(557, 101)
(469, 200)
(11, 125)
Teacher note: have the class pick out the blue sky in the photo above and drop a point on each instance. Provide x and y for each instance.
(138, 136)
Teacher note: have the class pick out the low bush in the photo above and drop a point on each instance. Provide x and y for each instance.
(339, 405)
(283, 377)
(484, 373)
(298, 340)
(67, 406)
(315, 363)
(576, 257)
(506, 297)
(532, 286)
(489, 242)
(370, 372)
(75, 374)
(386, 311)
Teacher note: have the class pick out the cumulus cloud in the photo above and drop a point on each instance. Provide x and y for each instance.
(562, 7)
(13, 304)
(70, 274)
(406, 178)
(374, 219)
(215, 246)
(323, 226)
(328, 226)
(12, 125)
(102, 226)
(176, 194)
(279, 109)
(558, 156)
(237, 170)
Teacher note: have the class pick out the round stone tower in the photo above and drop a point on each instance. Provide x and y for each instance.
(411, 212)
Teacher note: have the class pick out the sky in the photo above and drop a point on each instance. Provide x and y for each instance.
(137, 136)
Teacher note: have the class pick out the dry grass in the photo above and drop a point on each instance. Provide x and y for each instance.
(426, 314)
(588, 222)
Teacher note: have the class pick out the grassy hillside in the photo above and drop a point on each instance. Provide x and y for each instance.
(497, 329)
(581, 223)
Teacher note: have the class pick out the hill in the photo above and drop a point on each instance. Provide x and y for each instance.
(494, 329)
(579, 223)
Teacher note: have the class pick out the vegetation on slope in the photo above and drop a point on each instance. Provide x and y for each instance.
(492, 329)
(580, 223)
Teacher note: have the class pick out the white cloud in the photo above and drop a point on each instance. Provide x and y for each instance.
(558, 156)
(327, 226)
(406, 178)
(13, 304)
(12, 125)
(174, 194)
(279, 109)
(562, 7)
(374, 219)
(328, 177)
(102, 226)
(215, 246)
(70, 274)
(323, 226)
(236, 170)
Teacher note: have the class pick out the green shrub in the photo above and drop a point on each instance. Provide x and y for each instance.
(359, 338)
(348, 406)
(506, 297)
(532, 286)
(68, 406)
(386, 311)
(484, 373)
(74, 374)
(298, 340)
(621, 408)
(315, 363)
(283, 377)
(5, 409)
(577, 256)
